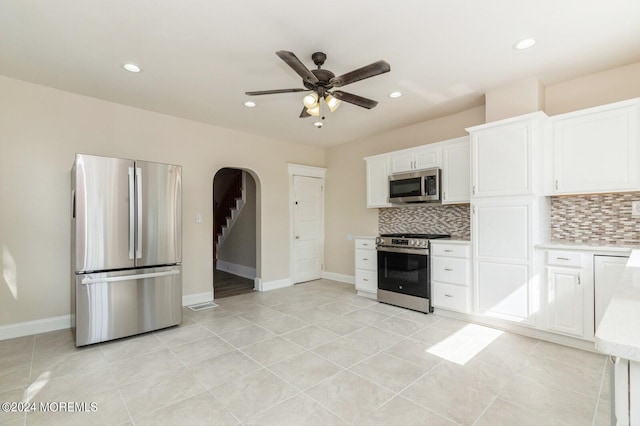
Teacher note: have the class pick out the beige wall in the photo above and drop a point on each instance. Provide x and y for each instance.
(346, 211)
(514, 99)
(40, 131)
(592, 90)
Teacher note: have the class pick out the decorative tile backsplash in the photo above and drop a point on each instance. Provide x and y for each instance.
(594, 219)
(427, 219)
(598, 219)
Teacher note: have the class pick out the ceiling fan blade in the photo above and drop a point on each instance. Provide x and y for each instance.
(304, 113)
(273, 92)
(367, 71)
(295, 63)
(354, 99)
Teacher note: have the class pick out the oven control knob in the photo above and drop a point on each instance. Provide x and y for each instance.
(413, 242)
(424, 243)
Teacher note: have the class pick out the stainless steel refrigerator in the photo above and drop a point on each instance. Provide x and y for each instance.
(126, 247)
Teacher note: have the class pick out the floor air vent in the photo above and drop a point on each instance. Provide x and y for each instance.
(202, 306)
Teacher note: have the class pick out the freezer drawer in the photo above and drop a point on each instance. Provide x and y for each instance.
(111, 305)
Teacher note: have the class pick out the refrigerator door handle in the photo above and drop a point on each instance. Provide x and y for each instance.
(139, 212)
(129, 277)
(132, 213)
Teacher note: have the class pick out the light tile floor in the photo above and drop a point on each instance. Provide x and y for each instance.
(312, 354)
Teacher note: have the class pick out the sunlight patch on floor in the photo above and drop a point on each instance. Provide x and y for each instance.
(36, 386)
(9, 272)
(465, 343)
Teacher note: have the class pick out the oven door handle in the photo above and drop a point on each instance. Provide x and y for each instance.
(419, 252)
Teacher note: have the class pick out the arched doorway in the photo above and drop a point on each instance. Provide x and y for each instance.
(235, 225)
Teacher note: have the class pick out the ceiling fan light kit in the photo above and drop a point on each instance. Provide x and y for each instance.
(310, 100)
(320, 81)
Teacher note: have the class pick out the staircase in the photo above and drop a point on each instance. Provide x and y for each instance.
(228, 208)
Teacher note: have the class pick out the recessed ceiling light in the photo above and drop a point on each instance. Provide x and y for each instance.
(395, 94)
(249, 104)
(318, 124)
(524, 43)
(131, 67)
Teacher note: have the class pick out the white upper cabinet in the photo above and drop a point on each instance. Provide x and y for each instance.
(456, 166)
(506, 156)
(596, 150)
(425, 157)
(377, 181)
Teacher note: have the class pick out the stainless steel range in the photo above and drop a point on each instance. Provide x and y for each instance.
(404, 271)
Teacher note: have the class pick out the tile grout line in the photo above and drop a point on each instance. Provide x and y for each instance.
(602, 378)
(126, 407)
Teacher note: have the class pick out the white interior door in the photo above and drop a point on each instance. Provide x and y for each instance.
(308, 228)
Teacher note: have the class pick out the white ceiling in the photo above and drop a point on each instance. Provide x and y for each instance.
(200, 56)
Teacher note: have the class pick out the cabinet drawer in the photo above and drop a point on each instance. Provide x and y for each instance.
(366, 259)
(451, 250)
(367, 280)
(449, 270)
(564, 258)
(449, 296)
(365, 244)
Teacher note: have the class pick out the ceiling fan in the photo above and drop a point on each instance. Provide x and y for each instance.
(321, 82)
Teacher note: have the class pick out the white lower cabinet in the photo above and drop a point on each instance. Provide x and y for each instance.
(569, 294)
(579, 285)
(366, 267)
(607, 271)
(565, 300)
(451, 275)
(626, 401)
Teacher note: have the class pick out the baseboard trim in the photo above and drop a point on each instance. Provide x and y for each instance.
(192, 299)
(349, 279)
(522, 330)
(235, 269)
(272, 285)
(29, 328)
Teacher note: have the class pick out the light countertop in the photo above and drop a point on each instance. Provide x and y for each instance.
(587, 247)
(619, 330)
(451, 241)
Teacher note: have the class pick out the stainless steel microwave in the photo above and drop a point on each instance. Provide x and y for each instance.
(415, 187)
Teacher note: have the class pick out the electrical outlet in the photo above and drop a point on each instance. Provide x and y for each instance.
(198, 218)
(349, 237)
(635, 208)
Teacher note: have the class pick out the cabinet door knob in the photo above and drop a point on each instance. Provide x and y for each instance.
(448, 269)
(448, 295)
(364, 279)
(448, 250)
(365, 258)
(562, 258)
